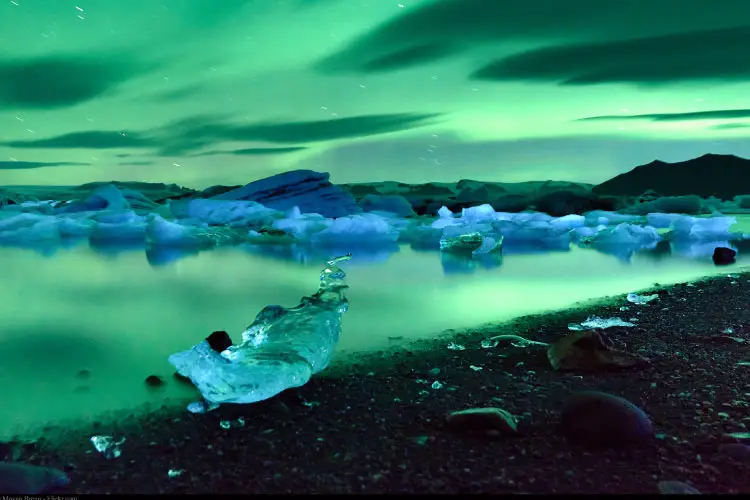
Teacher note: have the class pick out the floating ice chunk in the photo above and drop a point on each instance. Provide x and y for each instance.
(568, 221)
(585, 234)
(445, 213)
(106, 197)
(281, 349)
(127, 231)
(531, 230)
(226, 212)
(641, 299)
(661, 221)
(461, 242)
(422, 237)
(704, 229)
(71, 227)
(162, 232)
(626, 234)
(479, 213)
(28, 228)
(596, 322)
(602, 217)
(301, 226)
(456, 347)
(360, 229)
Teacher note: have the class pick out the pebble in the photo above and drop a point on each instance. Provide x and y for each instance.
(23, 479)
(676, 488)
(604, 420)
(154, 381)
(482, 419)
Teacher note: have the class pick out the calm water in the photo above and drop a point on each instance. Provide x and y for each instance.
(120, 317)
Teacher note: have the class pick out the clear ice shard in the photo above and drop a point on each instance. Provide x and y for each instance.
(281, 349)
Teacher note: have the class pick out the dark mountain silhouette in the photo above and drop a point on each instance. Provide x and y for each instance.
(723, 176)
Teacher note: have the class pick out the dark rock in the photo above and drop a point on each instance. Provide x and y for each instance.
(482, 420)
(308, 190)
(590, 350)
(22, 479)
(676, 488)
(603, 420)
(154, 381)
(219, 341)
(723, 256)
(84, 374)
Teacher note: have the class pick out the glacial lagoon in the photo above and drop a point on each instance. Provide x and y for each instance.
(84, 327)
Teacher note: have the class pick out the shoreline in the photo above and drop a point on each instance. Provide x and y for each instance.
(375, 424)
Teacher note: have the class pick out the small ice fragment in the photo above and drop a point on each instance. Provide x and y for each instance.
(455, 347)
(475, 368)
(732, 276)
(641, 299)
(434, 371)
(241, 422)
(422, 440)
(597, 322)
(201, 406)
(437, 385)
(489, 343)
(225, 424)
(728, 329)
(624, 308)
(174, 472)
(107, 446)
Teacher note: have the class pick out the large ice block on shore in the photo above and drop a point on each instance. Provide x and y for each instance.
(281, 349)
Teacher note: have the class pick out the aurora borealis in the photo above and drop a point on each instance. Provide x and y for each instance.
(201, 92)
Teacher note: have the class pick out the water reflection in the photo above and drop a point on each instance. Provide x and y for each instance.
(103, 308)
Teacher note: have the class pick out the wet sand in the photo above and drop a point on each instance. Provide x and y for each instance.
(378, 425)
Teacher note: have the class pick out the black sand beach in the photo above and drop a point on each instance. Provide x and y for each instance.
(378, 426)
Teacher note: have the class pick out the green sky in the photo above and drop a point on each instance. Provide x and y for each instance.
(203, 92)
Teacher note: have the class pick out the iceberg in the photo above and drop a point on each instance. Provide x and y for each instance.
(161, 232)
(281, 349)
